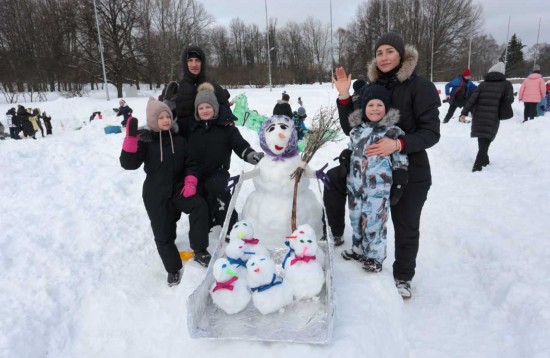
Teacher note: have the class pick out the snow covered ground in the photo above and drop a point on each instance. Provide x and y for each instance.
(81, 276)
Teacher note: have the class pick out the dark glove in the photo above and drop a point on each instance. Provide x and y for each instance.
(254, 157)
(130, 143)
(232, 182)
(400, 180)
(322, 176)
(344, 159)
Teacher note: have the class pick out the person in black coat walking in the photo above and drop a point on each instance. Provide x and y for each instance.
(26, 125)
(168, 163)
(213, 141)
(490, 102)
(194, 74)
(417, 101)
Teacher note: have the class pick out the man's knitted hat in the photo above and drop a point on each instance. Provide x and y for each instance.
(152, 112)
(466, 72)
(206, 94)
(394, 40)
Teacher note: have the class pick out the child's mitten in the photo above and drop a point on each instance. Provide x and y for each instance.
(130, 143)
(189, 186)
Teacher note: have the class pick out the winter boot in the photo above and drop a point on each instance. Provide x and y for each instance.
(174, 278)
(351, 255)
(485, 162)
(404, 288)
(202, 257)
(338, 240)
(371, 265)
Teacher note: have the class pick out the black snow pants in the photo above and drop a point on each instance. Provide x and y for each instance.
(164, 215)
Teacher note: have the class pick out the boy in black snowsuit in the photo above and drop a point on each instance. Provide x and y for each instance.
(213, 141)
(168, 163)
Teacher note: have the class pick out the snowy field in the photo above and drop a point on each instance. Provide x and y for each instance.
(81, 276)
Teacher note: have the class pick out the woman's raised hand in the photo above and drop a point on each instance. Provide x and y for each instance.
(342, 82)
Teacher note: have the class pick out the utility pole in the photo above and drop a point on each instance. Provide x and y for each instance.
(101, 53)
(537, 45)
(507, 44)
(331, 49)
(268, 47)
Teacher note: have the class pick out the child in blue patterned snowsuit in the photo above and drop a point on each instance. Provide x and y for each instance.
(370, 179)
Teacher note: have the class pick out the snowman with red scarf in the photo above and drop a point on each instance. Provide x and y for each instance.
(269, 206)
(230, 292)
(303, 268)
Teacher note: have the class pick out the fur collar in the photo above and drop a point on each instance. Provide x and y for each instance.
(410, 59)
(391, 118)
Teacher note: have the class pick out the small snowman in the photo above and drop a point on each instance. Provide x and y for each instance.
(243, 230)
(303, 232)
(229, 292)
(235, 253)
(269, 206)
(302, 270)
(270, 293)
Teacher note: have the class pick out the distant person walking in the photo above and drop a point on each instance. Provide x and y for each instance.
(457, 92)
(531, 92)
(490, 102)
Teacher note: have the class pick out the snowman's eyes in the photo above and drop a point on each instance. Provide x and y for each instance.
(262, 259)
(309, 241)
(224, 265)
(302, 241)
(252, 264)
(245, 224)
(283, 126)
(271, 128)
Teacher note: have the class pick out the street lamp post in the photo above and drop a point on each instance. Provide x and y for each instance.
(101, 53)
(268, 47)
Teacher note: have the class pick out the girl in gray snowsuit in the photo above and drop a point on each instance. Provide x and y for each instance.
(370, 179)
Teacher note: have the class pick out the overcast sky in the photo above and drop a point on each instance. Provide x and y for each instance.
(524, 14)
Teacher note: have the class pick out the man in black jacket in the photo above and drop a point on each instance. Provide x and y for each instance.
(194, 73)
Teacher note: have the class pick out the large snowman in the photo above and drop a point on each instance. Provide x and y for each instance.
(269, 206)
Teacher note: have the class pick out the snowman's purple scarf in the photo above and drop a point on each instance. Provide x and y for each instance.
(291, 149)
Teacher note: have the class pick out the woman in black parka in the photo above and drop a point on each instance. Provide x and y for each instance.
(417, 101)
(489, 103)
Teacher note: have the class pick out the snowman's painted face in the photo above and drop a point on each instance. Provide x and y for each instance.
(242, 230)
(277, 135)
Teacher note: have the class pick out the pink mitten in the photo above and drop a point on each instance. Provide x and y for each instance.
(130, 143)
(189, 186)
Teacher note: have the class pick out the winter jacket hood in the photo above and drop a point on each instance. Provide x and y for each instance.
(408, 64)
(187, 75)
(532, 89)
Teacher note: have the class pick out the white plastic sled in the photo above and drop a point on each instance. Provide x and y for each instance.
(306, 321)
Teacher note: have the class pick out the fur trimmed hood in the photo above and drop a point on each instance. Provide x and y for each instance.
(408, 64)
(391, 118)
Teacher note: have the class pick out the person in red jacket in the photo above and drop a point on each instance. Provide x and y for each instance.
(531, 92)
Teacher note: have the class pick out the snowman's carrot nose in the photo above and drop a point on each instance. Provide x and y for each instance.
(282, 136)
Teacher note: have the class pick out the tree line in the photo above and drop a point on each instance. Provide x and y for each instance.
(53, 45)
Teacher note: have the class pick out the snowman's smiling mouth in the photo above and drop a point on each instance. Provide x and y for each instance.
(278, 148)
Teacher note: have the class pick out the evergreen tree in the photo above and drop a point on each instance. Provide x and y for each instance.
(515, 63)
